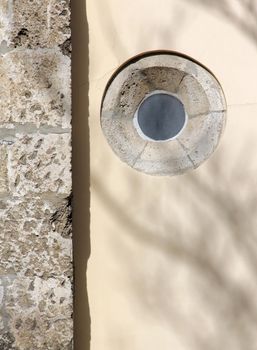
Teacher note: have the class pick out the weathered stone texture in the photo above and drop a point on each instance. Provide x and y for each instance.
(195, 87)
(36, 272)
(35, 23)
(40, 163)
(35, 88)
(35, 242)
(39, 313)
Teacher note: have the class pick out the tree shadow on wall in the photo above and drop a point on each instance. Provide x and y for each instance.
(219, 251)
(241, 13)
(80, 172)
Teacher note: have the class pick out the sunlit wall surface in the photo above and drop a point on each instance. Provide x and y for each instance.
(173, 260)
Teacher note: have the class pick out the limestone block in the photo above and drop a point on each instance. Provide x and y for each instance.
(38, 313)
(40, 23)
(40, 163)
(193, 96)
(140, 83)
(3, 170)
(37, 236)
(163, 72)
(205, 130)
(35, 88)
(36, 270)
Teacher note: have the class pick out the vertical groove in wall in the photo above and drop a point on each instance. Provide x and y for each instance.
(36, 268)
(80, 173)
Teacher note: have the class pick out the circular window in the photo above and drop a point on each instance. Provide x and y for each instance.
(163, 113)
(160, 117)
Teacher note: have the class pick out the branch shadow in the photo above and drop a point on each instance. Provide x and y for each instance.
(81, 172)
(246, 21)
(227, 296)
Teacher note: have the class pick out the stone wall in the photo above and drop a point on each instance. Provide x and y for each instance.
(35, 175)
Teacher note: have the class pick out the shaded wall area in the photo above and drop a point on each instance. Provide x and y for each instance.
(80, 167)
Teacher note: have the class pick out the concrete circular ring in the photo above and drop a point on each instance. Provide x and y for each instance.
(175, 74)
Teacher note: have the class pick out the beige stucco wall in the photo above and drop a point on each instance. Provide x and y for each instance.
(173, 260)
